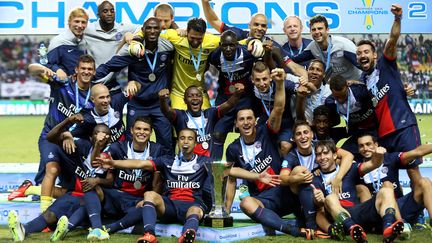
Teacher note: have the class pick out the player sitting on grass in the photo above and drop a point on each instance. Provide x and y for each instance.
(182, 202)
(78, 167)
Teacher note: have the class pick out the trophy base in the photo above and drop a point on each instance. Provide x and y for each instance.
(220, 222)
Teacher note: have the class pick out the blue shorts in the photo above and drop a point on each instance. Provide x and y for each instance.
(402, 140)
(49, 152)
(409, 208)
(285, 131)
(278, 199)
(66, 205)
(117, 202)
(175, 211)
(365, 213)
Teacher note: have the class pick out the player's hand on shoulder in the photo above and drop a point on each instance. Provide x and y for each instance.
(182, 32)
(69, 145)
(132, 88)
(61, 74)
(164, 93)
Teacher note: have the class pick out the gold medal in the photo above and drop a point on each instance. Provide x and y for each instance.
(198, 77)
(137, 185)
(232, 88)
(205, 145)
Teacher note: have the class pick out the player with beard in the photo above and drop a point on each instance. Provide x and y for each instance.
(344, 207)
(256, 160)
(338, 53)
(297, 168)
(66, 98)
(413, 203)
(153, 73)
(182, 201)
(234, 64)
(398, 129)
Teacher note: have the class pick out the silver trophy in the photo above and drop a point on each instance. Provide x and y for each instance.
(218, 216)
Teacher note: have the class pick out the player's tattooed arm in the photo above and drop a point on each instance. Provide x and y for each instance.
(166, 109)
(390, 49)
(232, 101)
(275, 119)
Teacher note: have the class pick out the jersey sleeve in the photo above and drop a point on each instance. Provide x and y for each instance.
(171, 35)
(241, 34)
(115, 64)
(290, 161)
(230, 156)
(398, 159)
(118, 101)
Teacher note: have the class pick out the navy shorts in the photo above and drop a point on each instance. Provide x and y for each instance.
(365, 213)
(405, 139)
(49, 152)
(117, 202)
(66, 205)
(175, 211)
(409, 209)
(285, 132)
(279, 199)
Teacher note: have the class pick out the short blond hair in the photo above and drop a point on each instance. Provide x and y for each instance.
(163, 7)
(78, 12)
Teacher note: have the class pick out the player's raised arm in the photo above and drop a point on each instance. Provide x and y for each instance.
(376, 160)
(211, 16)
(275, 118)
(390, 48)
(165, 107)
(56, 136)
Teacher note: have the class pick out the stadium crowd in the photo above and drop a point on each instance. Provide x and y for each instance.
(285, 101)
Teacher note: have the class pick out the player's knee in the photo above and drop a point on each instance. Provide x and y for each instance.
(331, 200)
(150, 196)
(385, 192)
(248, 205)
(195, 210)
(49, 217)
(219, 137)
(425, 184)
(52, 169)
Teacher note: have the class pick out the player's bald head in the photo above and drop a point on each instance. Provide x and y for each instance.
(258, 16)
(97, 89)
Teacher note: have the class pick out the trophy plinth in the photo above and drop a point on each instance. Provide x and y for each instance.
(218, 216)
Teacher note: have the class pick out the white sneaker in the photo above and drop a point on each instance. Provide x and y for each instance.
(406, 233)
(15, 227)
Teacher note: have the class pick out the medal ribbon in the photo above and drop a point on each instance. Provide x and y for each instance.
(230, 71)
(137, 172)
(201, 130)
(302, 162)
(151, 65)
(267, 109)
(196, 62)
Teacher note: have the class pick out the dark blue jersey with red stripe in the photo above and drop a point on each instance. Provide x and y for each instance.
(232, 72)
(393, 111)
(389, 171)
(361, 110)
(256, 157)
(83, 169)
(124, 179)
(207, 121)
(184, 180)
(348, 196)
(62, 103)
(113, 119)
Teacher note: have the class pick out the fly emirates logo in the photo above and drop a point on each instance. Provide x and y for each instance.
(261, 165)
(183, 182)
